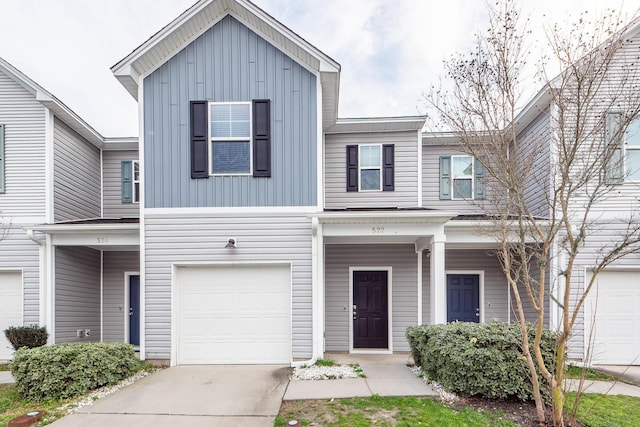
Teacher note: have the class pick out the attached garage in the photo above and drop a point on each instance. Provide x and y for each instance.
(232, 314)
(11, 312)
(612, 315)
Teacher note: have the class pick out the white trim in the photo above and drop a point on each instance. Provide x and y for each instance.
(101, 184)
(51, 291)
(419, 291)
(389, 271)
(135, 194)
(49, 142)
(320, 136)
(175, 297)
(480, 274)
(420, 166)
(127, 285)
(101, 296)
(258, 211)
(463, 177)
(361, 168)
(142, 242)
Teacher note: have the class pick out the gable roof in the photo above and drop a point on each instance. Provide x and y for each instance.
(58, 108)
(200, 17)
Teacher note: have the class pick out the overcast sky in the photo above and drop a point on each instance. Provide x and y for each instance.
(391, 51)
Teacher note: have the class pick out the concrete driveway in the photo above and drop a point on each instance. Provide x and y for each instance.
(248, 396)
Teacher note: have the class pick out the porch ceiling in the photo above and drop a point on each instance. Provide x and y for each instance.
(104, 236)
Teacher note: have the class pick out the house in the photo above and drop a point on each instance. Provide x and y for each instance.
(247, 223)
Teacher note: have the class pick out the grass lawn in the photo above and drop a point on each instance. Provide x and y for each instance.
(589, 374)
(597, 410)
(12, 405)
(4, 367)
(376, 411)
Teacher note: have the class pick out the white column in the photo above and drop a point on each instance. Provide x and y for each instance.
(438, 281)
(420, 296)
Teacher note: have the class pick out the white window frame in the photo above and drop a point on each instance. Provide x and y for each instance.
(248, 139)
(454, 177)
(361, 168)
(135, 196)
(627, 173)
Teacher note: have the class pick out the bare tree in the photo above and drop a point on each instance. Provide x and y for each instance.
(546, 186)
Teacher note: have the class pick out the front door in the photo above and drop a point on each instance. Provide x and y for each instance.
(463, 298)
(134, 310)
(370, 310)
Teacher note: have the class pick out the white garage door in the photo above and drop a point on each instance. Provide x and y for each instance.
(10, 309)
(612, 311)
(237, 314)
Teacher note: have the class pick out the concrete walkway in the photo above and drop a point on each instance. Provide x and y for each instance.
(386, 375)
(247, 396)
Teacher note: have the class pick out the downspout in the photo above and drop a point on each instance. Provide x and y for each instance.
(42, 272)
(316, 334)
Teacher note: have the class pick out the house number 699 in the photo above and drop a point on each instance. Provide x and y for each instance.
(377, 230)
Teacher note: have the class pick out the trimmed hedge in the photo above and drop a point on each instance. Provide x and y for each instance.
(67, 370)
(478, 359)
(26, 336)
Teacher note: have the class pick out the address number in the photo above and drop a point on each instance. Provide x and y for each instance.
(377, 230)
(102, 240)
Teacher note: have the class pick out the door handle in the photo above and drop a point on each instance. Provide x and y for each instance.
(354, 311)
(130, 311)
(478, 312)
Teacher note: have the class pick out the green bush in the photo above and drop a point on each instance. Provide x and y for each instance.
(26, 336)
(67, 370)
(478, 359)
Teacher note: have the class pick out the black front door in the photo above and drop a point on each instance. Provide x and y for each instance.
(370, 310)
(134, 310)
(463, 298)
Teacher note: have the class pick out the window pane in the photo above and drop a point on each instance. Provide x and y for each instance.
(633, 164)
(136, 171)
(230, 157)
(633, 132)
(461, 188)
(370, 156)
(462, 166)
(230, 120)
(370, 179)
(136, 192)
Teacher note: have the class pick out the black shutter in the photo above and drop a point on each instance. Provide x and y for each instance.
(199, 140)
(388, 182)
(352, 168)
(261, 138)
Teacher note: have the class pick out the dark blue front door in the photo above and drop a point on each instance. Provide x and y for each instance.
(134, 310)
(463, 298)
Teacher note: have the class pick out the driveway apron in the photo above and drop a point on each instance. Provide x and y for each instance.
(191, 395)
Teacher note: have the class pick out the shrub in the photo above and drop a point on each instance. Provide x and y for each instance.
(26, 336)
(478, 359)
(67, 370)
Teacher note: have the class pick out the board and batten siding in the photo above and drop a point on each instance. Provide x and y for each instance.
(115, 265)
(200, 239)
(431, 181)
(403, 279)
(112, 184)
(24, 120)
(405, 193)
(76, 175)
(18, 253)
(230, 63)
(77, 293)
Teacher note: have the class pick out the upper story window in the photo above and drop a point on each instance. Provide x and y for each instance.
(461, 178)
(230, 132)
(623, 155)
(136, 181)
(370, 167)
(2, 162)
(632, 139)
(230, 138)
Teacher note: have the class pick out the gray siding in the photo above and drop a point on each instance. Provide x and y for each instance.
(76, 176)
(431, 181)
(228, 63)
(406, 171)
(201, 239)
(404, 263)
(77, 293)
(24, 118)
(112, 203)
(18, 253)
(114, 309)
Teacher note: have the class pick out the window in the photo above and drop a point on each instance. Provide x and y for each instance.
(2, 162)
(230, 132)
(632, 139)
(230, 138)
(130, 181)
(370, 167)
(461, 177)
(622, 159)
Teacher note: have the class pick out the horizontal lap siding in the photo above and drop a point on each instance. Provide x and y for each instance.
(230, 63)
(405, 193)
(24, 120)
(76, 176)
(18, 253)
(77, 293)
(114, 308)
(201, 239)
(112, 185)
(338, 259)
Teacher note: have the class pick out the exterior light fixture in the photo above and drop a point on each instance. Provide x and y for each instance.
(231, 243)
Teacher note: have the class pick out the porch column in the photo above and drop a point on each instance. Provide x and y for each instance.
(438, 281)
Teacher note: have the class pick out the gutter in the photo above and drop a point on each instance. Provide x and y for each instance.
(31, 235)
